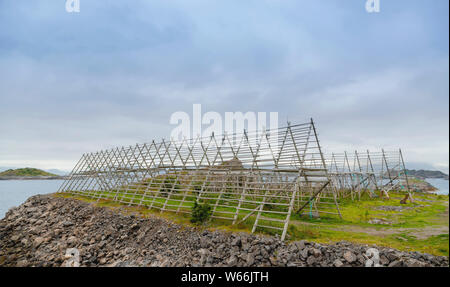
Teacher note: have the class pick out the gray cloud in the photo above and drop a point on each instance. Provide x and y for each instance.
(114, 74)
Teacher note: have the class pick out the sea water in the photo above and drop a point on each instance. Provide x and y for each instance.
(16, 192)
(440, 184)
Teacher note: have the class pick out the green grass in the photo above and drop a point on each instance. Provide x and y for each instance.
(359, 212)
(354, 226)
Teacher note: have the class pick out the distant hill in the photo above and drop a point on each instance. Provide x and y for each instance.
(25, 172)
(54, 171)
(423, 174)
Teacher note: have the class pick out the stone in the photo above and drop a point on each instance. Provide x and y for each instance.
(232, 261)
(311, 260)
(361, 259)
(414, 263)
(316, 252)
(300, 244)
(22, 263)
(349, 256)
(72, 240)
(67, 223)
(338, 263)
(304, 253)
(38, 241)
(392, 255)
(15, 238)
(383, 260)
(236, 242)
(396, 263)
(203, 255)
(381, 221)
(250, 259)
(210, 259)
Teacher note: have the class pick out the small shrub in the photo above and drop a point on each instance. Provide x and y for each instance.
(200, 213)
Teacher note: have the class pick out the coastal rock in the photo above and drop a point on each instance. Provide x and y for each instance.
(40, 231)
(232, 261)
(396, 263)
(311, 260)
(338, 263)
(38, 241)
(349, 256)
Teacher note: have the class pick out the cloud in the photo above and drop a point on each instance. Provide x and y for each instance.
(113, 74)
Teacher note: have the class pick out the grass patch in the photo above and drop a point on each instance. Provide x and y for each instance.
(427, 211)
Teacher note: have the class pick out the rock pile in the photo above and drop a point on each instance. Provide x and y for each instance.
(50, 231)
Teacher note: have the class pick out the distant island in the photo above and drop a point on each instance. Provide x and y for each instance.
(423, 174)
(28, 173)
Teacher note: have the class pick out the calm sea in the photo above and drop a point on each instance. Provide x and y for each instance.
(15, 192)
(440, 184)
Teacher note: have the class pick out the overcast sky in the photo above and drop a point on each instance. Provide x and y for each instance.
(114, 73)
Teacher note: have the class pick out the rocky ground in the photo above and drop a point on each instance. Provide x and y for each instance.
(44, 230)
(421, 186)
